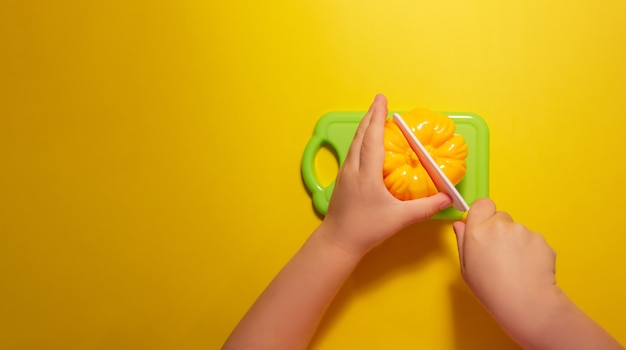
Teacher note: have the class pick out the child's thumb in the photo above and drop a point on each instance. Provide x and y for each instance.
(423, 208)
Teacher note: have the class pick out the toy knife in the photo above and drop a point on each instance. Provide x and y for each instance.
(432, 169)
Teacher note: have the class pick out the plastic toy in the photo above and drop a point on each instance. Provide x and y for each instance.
(335, 130)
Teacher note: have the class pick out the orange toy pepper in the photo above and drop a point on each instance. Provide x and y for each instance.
(403, 174)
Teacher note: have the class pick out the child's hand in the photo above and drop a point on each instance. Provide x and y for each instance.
(510, 268)
(362, 213)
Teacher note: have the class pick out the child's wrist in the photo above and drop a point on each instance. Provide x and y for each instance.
(537, 315)
(334, 241)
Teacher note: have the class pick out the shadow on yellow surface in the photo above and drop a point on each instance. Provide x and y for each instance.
(473, 326)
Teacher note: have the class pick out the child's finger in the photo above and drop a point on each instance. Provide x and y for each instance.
(423, 208)
(355, 146)
(372, 154)
(481, 210)
(459, 231)
(504, 216)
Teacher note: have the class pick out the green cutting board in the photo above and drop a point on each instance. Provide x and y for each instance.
(336, 130)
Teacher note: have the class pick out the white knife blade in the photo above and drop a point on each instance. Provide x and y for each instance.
(432, 169)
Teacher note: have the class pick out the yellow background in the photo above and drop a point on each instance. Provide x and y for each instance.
(150, 160)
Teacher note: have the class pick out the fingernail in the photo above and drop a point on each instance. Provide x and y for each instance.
(446, 203)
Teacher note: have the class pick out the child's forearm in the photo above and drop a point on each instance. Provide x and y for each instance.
(555, 322)
(286, 315)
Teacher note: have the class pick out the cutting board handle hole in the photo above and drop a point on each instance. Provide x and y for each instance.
(326, 164)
